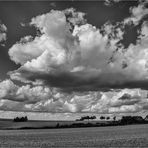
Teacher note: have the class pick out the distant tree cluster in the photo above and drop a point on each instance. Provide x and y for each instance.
(103, 118)
(86, 118)
(20, 119)
(131, 119)
(94, 117)
(125, 120)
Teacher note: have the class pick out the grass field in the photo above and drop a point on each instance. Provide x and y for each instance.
(9, 124)
(116, 136)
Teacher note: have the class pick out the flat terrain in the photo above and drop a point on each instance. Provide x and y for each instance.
(114, 136)
(9, 124)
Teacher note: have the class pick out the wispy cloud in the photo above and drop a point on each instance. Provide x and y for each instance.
(3, 36)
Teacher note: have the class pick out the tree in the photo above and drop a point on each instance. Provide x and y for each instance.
(131, 119)
(93, 117)
(25, 118)
(21, 119)
(114, 118)
(86, 118)
(107, 118)
(146, 118)
(102, 117)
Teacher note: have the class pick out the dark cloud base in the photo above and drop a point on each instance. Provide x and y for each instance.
(81, 81)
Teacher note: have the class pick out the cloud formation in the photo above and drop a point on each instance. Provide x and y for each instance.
(43, 99)
(110, 2)
(73, 66)
(89, 57)
(138, 13)
(3, 36)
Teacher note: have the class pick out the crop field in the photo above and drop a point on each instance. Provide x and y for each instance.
(9, 124)
(112, 136)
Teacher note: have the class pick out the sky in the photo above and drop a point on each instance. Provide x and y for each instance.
(65, 59)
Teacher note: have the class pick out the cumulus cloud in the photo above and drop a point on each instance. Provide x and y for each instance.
(143, 32)
(58, 51)
(110, 2)
(7, 88)
(3, 36)
(113, 102)
(43, 99)
(26, 93)
(89, 57)
(138, 13)
(53, 4)
(72, 66)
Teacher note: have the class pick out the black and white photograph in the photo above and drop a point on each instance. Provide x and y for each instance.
(73, 73)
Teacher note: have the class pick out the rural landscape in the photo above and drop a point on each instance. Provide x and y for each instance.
(73, 73)
(84, 132)
(84, 121)
(72, 134)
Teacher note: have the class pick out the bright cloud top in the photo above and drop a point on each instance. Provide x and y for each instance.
(3, 36)
(91, 58)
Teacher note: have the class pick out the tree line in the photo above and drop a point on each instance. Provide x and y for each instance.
(86, 118)
(94, 117)
(21, 119)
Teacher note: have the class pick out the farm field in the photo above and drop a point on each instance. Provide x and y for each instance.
(113, 136)
(9, 124)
